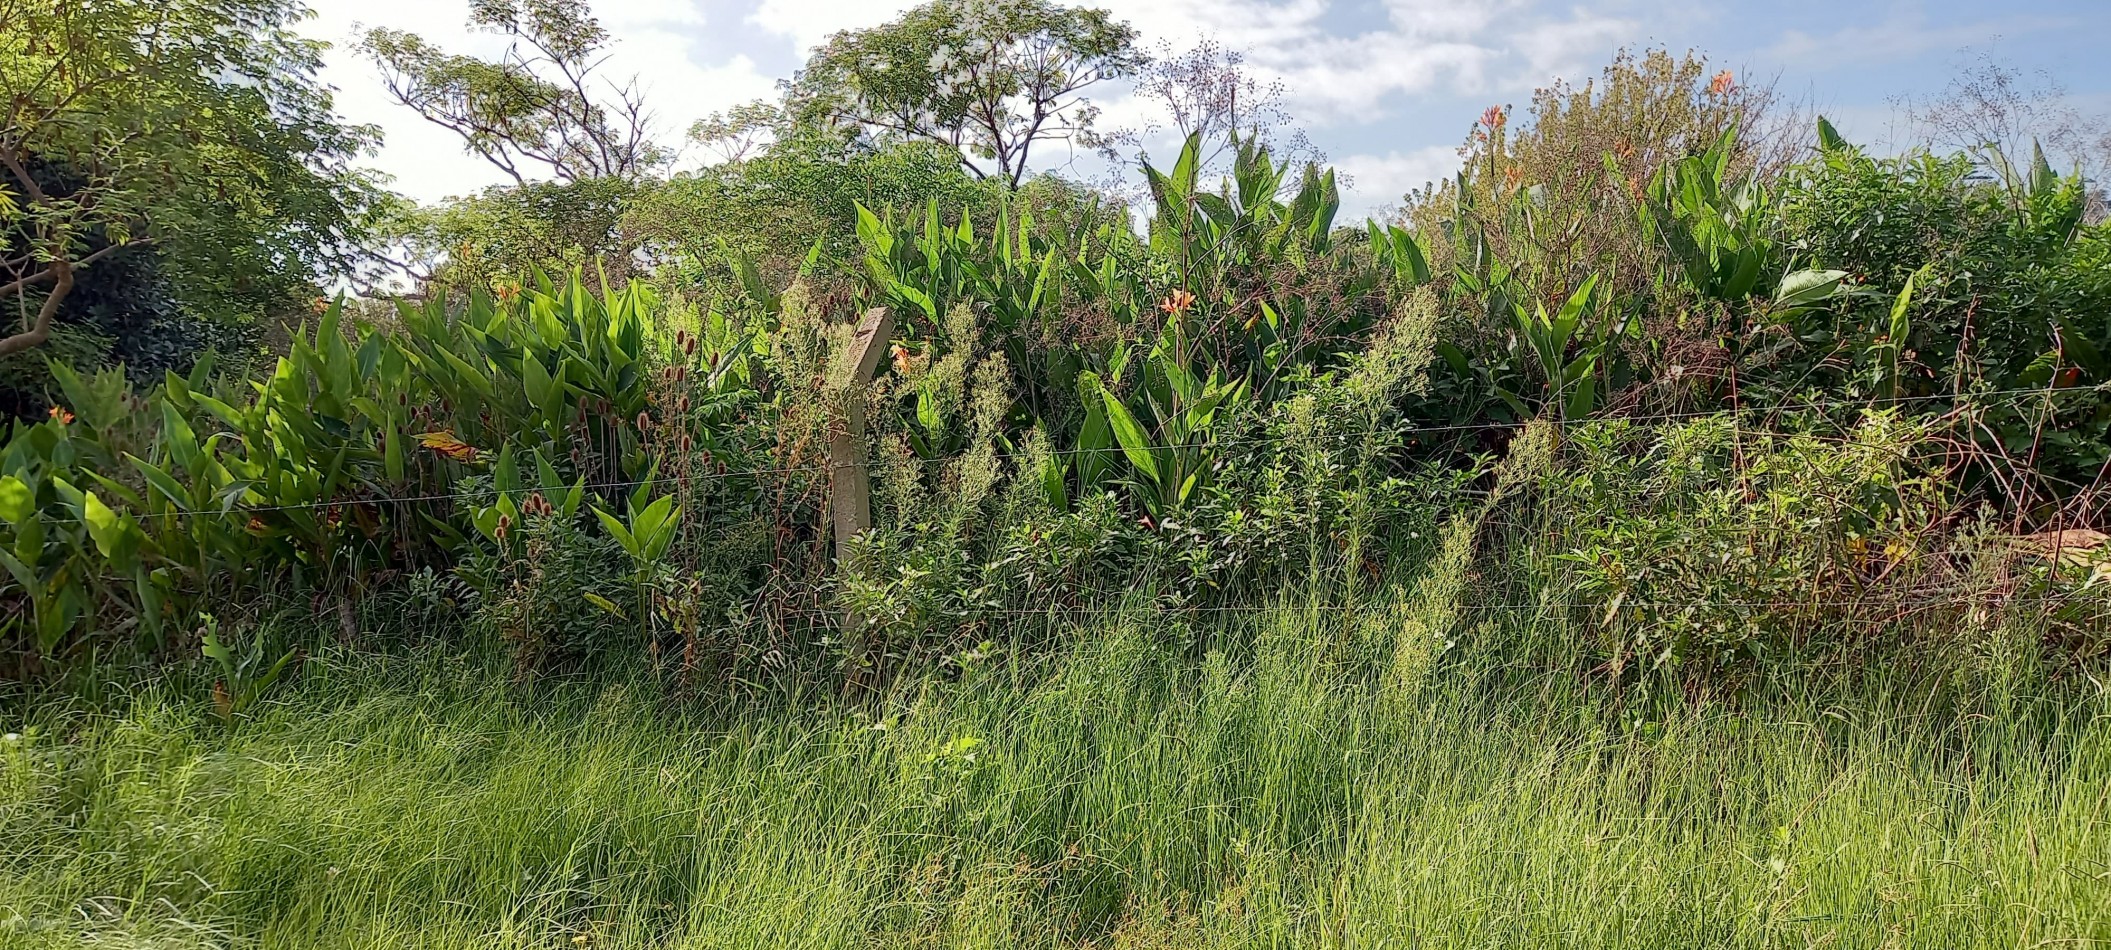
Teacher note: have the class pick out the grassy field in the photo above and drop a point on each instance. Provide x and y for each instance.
(1156, 786)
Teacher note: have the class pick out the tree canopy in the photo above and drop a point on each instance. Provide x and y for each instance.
(195, 126)
(989, 78)
(539, 107)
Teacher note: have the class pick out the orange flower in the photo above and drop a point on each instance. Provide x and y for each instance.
(446, 444)
(1723, 84)
(1513, 177)
(1494, 117)
(901, 357)
(65, 418)
(319, 305)
(1177, 303)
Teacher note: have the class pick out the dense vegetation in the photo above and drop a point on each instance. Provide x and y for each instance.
(1657, 534)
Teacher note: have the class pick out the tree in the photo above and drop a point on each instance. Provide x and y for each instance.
(507, 232)
(740, 132)
(987, 78)
(196, 126)
(538, 105)
(1206, 92)
(1990, 105)
(780, 202)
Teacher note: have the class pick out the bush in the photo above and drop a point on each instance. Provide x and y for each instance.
(1705, 550)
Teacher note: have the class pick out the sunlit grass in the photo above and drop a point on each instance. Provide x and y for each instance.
(1137, 792)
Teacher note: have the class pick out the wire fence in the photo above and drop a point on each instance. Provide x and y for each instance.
(235, 508)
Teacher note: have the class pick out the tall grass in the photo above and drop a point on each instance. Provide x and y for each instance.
(1233, 780)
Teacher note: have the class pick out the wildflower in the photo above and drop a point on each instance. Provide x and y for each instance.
(319, 305)
(64, 418)
(1177, 303)
(901, 357)
(1494, 118)
(255, 525)
(1723, 84)
(1513, 176)
(446, 444)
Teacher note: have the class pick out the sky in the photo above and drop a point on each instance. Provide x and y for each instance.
(1386, 88)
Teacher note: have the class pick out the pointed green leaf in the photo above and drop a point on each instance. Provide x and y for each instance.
(1134, 442)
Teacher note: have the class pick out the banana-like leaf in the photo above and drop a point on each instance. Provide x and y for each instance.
(1135, 443)
(1806, 288)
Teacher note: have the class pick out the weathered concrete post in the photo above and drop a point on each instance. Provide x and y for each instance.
(849, 486)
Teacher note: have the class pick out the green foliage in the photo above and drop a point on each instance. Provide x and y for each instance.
(341, 466)
(491, 239)
(1703, 548)
(988, 78)
(194, 130)
(794, 197)
(2007, 294)
(244, 677)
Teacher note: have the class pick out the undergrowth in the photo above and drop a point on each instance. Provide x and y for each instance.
(1167, 780)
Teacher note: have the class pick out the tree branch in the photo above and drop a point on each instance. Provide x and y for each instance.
(39, 277)
(40, 331)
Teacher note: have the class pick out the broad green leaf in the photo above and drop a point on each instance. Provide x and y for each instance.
(1054, 481)
(1806, 288)
(1829, 138)
(162, 482)
(1134, 442)
(617, 531)
(17, 502)
(113, 532)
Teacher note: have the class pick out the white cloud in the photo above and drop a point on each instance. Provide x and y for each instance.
(808, 22)
(1376, 181)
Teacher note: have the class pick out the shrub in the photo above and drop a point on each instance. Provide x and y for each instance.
(1702, 549)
